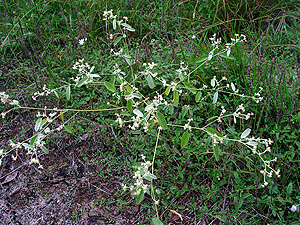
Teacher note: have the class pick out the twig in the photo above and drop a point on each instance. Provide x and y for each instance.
(101, 190)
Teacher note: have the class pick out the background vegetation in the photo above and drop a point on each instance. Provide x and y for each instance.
(39, 45)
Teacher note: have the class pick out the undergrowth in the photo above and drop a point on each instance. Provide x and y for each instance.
(202, 99)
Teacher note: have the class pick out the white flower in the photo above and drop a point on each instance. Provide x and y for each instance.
(47, 130)
(294, 208)
(81, 41)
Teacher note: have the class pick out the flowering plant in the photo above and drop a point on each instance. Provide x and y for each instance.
(146, 97)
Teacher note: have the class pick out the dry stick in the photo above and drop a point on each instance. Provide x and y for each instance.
(101, 189)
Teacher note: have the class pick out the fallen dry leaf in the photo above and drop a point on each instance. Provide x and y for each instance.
(10, 178)
(176, 213)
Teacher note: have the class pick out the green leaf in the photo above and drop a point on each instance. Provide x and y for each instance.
(212, 82)
(212, 118)
(198, 96)
(127, 56)
(140, 197)
(128, 88)
(43, 122)
(33, 139)
(128, 61)
(247, 195)
(137, 165)
(156, 221)
(61, 115)
(150, 81)
(118, 39)
(167, 91)
(128, 27)
(161, 120)
(82, 82)
(69, 129)
(44, 149)
(232, 86)
(136, 95)
(245, 133)
(289, 188)
(213, 131)
(227, 56)
(25, 145)
(215, 99)
(185, 139)
(216, 152)
(150, 177)
(68, 92)
(55, 92)
(239, 205)
(190, 87)
(202, 59)
(129, 105)
(110, 86)
(115, 24)
(176, 97)
(252, 143)
(138, 113)
(37, 124)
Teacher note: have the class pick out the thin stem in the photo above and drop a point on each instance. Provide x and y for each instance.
(152, 190)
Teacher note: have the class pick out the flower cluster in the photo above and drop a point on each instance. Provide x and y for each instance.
(148, 69)
(188, 126)
(31, 149)
(85, 71)
(5, 99)
(215, 83)
(238, 38)
(157, 101)
(253, 144)
(108, 15)
(257, 98)
(46, 91)
(141, 173)
(47, 118)
(239, 113)
(182, 71)
(119, 53)
(215, 43)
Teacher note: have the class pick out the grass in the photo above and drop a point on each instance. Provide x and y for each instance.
(39, 45)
